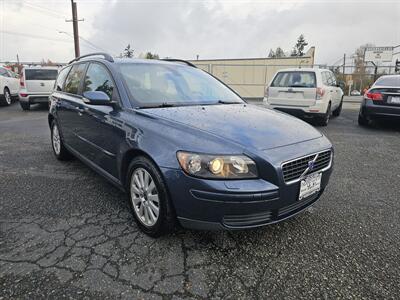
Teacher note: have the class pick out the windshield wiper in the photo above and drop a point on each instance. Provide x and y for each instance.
(227, 102)
(164, 104)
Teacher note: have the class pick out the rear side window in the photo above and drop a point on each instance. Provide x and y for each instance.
(300, 79)
(40, 74)
(61, 79)
(389, 81)
(98, 79)
(3, 72)
(74, 78)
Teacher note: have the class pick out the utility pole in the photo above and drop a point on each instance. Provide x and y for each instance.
(344, 64)
(75, 27)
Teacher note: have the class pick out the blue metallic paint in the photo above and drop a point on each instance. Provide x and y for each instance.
(104, 136)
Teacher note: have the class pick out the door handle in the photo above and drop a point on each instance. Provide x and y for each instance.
(80, 110)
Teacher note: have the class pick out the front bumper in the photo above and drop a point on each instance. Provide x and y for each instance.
(234, 204)
(370, 110)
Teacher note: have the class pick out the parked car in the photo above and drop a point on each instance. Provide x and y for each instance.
(306, 93)
(36, 85)
(9, 86)
(355, 93)
(381, 101)
(184, 145)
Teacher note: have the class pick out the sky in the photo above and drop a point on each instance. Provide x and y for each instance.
(36, 29)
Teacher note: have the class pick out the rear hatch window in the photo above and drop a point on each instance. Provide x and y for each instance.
(40, 74)
(300, 79)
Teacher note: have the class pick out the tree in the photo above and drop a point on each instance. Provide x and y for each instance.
(279, 52)
(150, 55)
(271, 54)
(360, 73)
(299, 47)
(128, 52)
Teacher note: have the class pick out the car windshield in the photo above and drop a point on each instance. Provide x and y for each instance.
(40, 74)
(151, 84)
(294, 79)
(389, 81)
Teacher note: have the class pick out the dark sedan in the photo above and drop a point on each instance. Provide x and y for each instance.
(381, 101)
(186, 148)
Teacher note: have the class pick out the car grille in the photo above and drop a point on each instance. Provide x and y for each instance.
(292, 170)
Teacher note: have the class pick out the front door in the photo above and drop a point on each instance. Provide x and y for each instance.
(101, 130)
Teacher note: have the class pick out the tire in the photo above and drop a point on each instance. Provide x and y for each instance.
(58, 147)
(362, 121)
(323, 121)
(6, 100)
(25, 105)
(148, 195)
(338, 110)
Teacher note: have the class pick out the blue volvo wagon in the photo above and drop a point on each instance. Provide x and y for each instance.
(184, 146)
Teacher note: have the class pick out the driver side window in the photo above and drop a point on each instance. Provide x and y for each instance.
(98, 79)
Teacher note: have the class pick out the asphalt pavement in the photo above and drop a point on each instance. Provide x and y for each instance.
(66, 233)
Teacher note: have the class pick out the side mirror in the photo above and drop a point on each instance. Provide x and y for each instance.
(96, 98)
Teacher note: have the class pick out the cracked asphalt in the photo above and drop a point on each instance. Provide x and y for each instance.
(65, 233)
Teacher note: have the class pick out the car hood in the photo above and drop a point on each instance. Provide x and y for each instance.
(247, 125)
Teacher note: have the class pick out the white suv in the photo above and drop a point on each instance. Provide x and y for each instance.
(8, 86)
(305, 92)
(36, 85)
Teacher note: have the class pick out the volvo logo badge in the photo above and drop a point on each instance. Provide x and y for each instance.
(311, 165)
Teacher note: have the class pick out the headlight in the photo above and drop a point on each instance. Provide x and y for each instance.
(217, 166)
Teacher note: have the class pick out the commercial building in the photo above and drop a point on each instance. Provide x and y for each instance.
(250, 76)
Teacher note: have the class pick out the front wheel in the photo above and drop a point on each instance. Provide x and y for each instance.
(149, 198)
(59, 149)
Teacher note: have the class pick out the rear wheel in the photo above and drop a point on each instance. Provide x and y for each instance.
(149, 198)
(323, 121)
(362, 121)
(25, 105)
(59, 150)
(6, 100)
(338, 110)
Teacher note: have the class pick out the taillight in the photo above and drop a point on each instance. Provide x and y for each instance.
(320, 93)
(266, 92)
(374, 96)
(21, 81)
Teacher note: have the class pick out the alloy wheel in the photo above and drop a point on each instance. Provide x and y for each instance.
(145, 198)
(7, 96)
(56, 140)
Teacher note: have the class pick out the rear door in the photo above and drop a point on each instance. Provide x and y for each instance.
(70, 106)
(40, 80)
(293, 88)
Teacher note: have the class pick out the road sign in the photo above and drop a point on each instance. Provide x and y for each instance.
(378, 54)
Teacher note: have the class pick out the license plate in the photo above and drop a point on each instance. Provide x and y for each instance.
(395, 100)
(310, 185)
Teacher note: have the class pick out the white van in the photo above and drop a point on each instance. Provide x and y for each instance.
(305, 92)
(36, 84)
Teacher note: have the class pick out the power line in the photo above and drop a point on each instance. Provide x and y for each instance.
(34, 36)
(46, 12)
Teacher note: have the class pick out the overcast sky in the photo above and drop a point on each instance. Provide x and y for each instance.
(182, 29)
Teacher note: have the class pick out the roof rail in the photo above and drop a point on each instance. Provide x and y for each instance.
(106, 56)
(179, 60)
